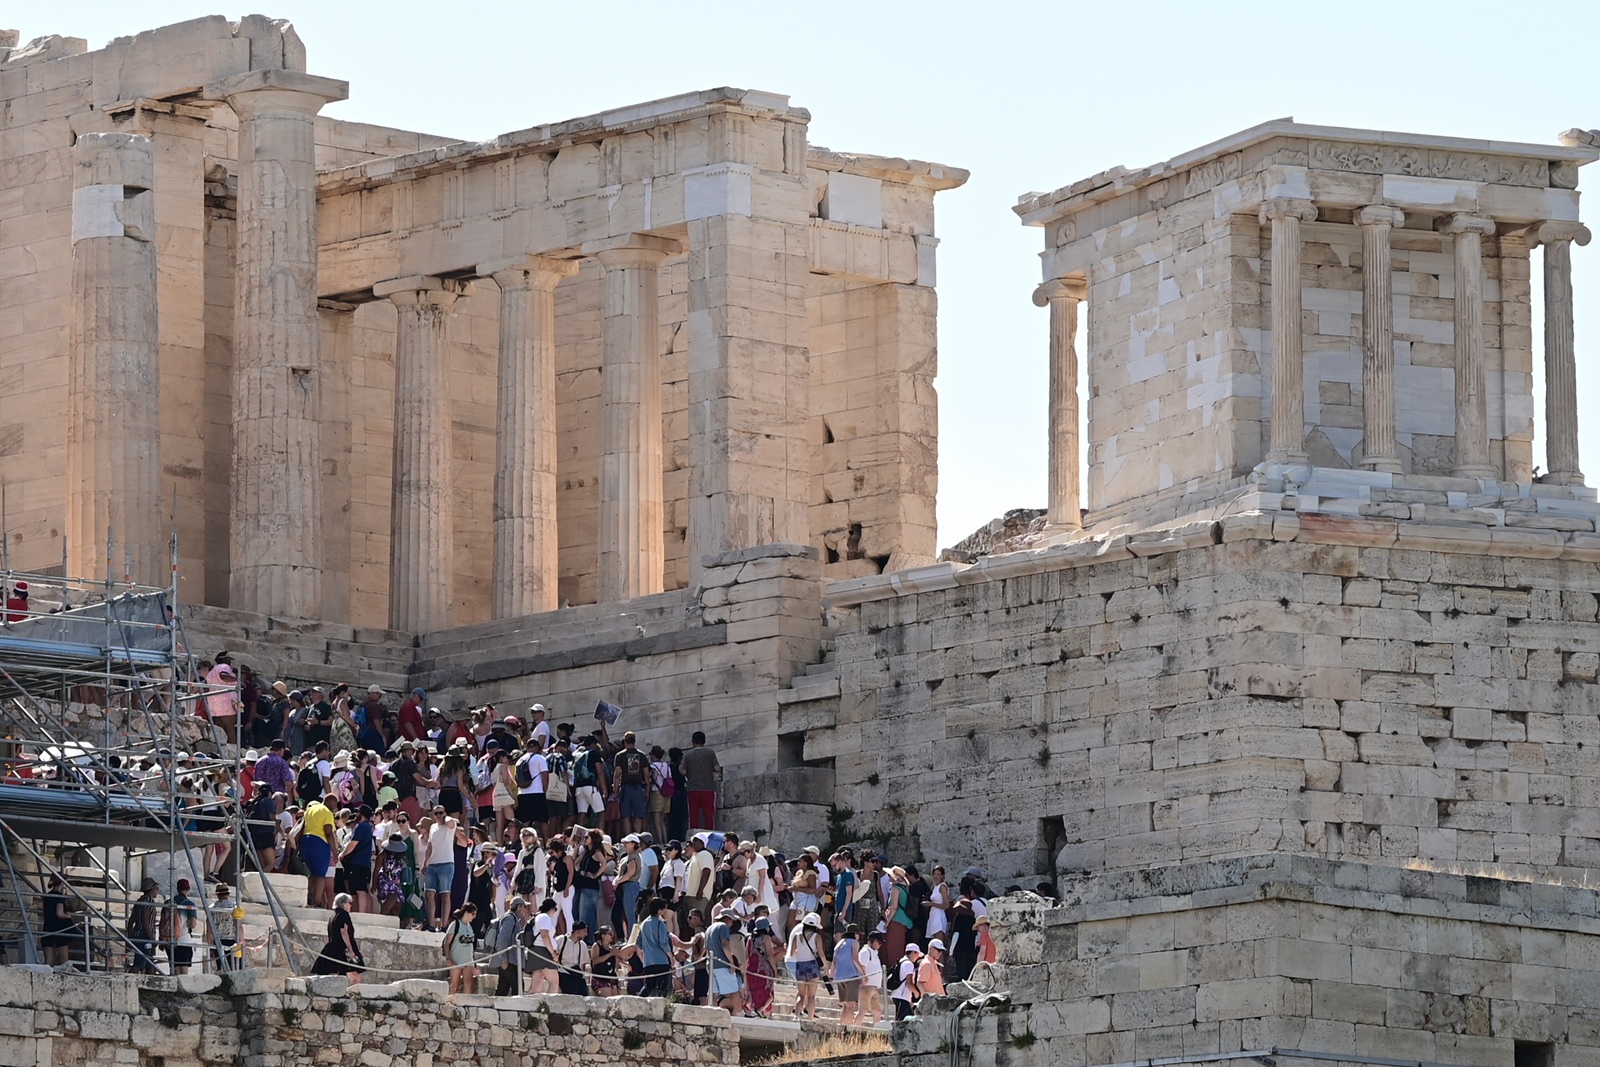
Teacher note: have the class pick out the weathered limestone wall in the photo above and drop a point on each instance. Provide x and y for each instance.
(51, 1020)
(1302, 957)
(1335, 692)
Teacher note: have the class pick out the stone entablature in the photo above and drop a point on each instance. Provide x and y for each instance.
(1233, 318)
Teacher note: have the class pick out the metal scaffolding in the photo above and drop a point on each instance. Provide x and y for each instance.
(108, 774)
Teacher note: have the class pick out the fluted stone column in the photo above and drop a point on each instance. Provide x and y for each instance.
(113, 384)
(276, 543)
(1560, 356)
(525, 530)
(1062, 297)
(1472, 413)
(632, 500)
(1287, 444)
(1377, 337)
(420, 547)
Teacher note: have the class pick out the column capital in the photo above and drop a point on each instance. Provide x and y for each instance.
(1462, 222)
(290, 89)
(1287, 208)
(1545, 233)
(1380, 215)
(421, 289)
(633, 250)
(1060, 288)
(528, 272)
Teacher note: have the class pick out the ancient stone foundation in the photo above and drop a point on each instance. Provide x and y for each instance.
(53, 1020)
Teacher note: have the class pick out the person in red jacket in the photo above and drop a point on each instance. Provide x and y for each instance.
(17, 603)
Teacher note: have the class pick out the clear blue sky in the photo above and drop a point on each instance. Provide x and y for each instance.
(1026, 97)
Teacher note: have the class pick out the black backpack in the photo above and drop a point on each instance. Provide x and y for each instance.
(308, 783)
(891, 980)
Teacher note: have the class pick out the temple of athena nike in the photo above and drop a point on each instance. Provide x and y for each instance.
(1291, 695)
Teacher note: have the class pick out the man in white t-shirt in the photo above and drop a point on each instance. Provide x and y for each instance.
(541, 727)
(906, 993)
(531, 809)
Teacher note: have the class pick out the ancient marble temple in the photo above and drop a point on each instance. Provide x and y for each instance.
(1345, 314)
(387, 378)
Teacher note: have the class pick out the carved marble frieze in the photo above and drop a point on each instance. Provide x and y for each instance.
(1429, 163)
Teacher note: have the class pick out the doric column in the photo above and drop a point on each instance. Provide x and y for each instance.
(1062, 297)
(113, 385)
(1472, 413)
(1560, 356)
(1377, 337)
(1288, 360)
(420, 549)
(276, 543)
(632, 501)
(525, 531)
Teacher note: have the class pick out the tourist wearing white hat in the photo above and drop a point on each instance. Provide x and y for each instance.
(907, 991)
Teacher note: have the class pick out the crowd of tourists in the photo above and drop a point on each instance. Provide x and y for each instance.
(546, 857)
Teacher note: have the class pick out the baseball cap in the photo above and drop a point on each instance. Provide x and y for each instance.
(913, 949)
(936, 944)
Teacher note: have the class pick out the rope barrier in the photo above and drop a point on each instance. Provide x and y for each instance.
(777, 980)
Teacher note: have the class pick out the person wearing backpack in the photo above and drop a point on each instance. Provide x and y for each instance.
(459, 948)
(573, 956)
(903, 987)
(589, 779)
(505, 948)
(533, 774)
(662, 788)
(632, 788)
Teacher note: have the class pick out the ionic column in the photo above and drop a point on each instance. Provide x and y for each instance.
(632, 501)
(1062, 297)
(1287, 444)
(1560, 356)
(276, 544)
(525, 531)
(113, 384)
(420, 548)
(1472, 413)
(1377, 336)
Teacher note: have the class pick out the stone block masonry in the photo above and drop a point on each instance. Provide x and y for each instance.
(1226, 693)
(51, 1020)
(1304, 959)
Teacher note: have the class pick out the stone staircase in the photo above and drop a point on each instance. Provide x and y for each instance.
(302, 651)
(392, 954)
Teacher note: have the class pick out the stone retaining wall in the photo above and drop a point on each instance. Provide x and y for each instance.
(1290, 956)
(257, 1020)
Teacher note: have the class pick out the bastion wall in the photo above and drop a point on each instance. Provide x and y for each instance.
(55, 1020)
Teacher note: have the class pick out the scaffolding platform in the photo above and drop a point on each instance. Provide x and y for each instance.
(98, 696)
